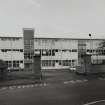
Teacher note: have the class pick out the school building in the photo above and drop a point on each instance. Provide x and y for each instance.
(56, 53)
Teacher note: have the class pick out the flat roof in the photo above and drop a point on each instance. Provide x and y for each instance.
(72, 36)
(54, 38)
(69, 38)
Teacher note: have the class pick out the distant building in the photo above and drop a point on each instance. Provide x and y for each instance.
(56, 53)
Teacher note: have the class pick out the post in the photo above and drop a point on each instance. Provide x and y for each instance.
(90, 43)
(11, 54)
(37, 66)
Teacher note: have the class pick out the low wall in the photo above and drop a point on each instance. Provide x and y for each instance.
(98, 68)
(92, 68)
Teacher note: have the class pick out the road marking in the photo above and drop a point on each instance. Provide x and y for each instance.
(65, 82)
(79, 81)
(94, 102)
(11, 87)
(85, 80)
(101, 78)
(40, 84)
(75, 81)
(18, 87)
(27, 86)
(72, 81)
(24, 86)
(44, 84)
(4, 88)
(31, 85)
(36, 85)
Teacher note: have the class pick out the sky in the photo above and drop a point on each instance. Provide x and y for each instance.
(53, 18)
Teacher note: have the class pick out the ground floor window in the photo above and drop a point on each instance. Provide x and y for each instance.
(69, 62)
(48, 63)
(52, 63)
(98, 61)
(14, 64)
(9, 63)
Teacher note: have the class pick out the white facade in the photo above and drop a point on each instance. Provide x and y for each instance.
(11, 51)
(56, 53)
(63, 52)
(66, 51)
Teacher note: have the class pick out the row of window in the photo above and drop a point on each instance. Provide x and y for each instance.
(71, 50)
(9, 38)
(57, 50)
(52, 63)
(28, 55)
(28, 44)
(5, 50)
(97, 50)
(14, 64)
(45, 52)
(97, 61)
(52, 52)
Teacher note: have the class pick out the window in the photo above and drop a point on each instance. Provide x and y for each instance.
(74, 50)
(28, 44)
(37, 51)
(69, 62)
(15, 64)
(56, 50)
(48, 52)
(73, 63)
(65, 62)
(21, 61)
(28, 55)
(48, 63)
(69, 50)
(64, 50)
(56, 60)
(88, 50)
(103, 53)
(53, 63)
(9, 50)
(53, 53)
(60, 62)
(4, 39)
(9, 64)
(44, 52)
(14, 49)
(5, 50)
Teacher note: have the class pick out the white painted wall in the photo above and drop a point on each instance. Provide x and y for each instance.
(45, 44)
(14, 44)
(11, 44)
(93, 44)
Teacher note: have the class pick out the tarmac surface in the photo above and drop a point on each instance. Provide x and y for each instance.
(56, 88)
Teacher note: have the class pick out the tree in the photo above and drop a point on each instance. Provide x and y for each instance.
(101, 48)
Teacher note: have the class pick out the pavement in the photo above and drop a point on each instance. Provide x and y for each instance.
(55, 88)
(71, 93)
(48, 76)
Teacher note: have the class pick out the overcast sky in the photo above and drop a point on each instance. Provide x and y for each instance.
(71, 18)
